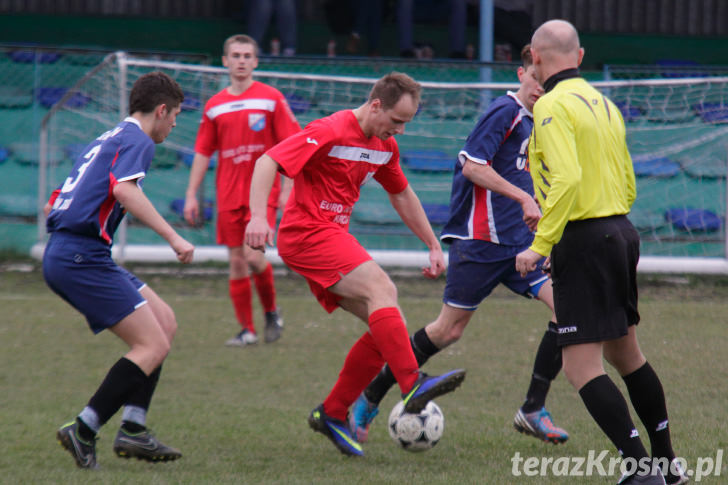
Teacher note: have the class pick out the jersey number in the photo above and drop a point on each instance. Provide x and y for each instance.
(70, 183)
(522, 159)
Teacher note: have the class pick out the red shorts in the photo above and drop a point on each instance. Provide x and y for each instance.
(231, 225)
(327, 255)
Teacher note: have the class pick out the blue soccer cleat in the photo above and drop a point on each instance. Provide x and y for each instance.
(335, 430)
(427, 388)
(362, 414)
(540, 425)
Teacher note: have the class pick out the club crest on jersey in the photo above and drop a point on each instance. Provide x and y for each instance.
(256, 121)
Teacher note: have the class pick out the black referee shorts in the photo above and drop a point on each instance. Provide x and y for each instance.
(594, 271)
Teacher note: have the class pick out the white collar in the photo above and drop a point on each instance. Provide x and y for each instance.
(131, 119)
(514, 96)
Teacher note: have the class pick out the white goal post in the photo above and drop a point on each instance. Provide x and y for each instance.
(677, 132)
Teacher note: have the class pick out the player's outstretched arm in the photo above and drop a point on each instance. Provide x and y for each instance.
(200, 164)
(258, 232)
(131, 197)
(409, 208)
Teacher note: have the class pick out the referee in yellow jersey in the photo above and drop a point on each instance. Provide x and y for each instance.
(585, 184)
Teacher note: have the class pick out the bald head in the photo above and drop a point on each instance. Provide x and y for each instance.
(556, 37)
(555, 46)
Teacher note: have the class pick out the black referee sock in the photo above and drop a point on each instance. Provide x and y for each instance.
(546, 367)
(423, 349)
(122, 380)
(648, 398)
(609, 409)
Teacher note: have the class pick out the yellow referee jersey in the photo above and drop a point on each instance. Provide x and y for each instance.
(578, 158)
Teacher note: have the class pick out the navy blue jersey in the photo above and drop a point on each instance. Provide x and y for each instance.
(86, 205)
(500, 139)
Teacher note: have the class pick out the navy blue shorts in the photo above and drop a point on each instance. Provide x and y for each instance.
(80, 270)
(472, 275)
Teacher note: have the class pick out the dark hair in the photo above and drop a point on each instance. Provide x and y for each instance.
(526, 57)
(241, 39)
(390, 88)
(153, 89)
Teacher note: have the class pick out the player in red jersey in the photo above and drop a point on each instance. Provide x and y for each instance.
(329, 161)
(241, 122)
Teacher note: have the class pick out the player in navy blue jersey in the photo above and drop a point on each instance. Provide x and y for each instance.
(492, 216)
(82, 216)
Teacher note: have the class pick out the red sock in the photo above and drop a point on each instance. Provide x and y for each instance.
(266, 288)
(361, 366)
(390, 334)
(240, 294)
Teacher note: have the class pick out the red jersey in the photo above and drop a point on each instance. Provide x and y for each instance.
(241, 128)
(329, 161)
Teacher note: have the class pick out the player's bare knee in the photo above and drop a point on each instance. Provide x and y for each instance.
(169, 326)
(256, 261)
(385, 294)
(572, 375)
(160, 350)
(166, 318)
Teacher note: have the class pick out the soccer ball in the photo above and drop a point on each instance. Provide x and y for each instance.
(416, 432)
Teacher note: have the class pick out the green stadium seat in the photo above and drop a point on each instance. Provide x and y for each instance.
(709, 166)
(646, 220)
(165, 157)
(376, 213)
(18, 205)
(13, 97)
(26, 153)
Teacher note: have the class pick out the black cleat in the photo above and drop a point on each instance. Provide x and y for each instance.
(83, 452)
(143, 446)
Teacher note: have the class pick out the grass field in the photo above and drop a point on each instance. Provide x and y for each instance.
(239, 415)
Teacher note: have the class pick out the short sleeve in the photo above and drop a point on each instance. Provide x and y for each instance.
(206, 141)
(295, 151)
(133, 160)
(488, 135)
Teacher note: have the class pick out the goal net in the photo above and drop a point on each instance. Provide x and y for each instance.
(677, 133)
